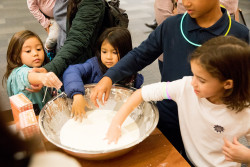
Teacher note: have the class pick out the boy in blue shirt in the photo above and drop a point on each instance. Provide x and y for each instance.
(176, 38)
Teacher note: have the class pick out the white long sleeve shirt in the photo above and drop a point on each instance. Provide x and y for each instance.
(203, 124)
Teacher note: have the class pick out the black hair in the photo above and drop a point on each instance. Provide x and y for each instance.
(120, 39)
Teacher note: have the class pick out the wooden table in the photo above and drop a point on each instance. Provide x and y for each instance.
(154, 151)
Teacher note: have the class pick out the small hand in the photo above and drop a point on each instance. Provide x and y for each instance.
(35, 88)
(51, 80)
(113, 134)
(47, 29)
(103, 87)
(235, 151)
(78, 107)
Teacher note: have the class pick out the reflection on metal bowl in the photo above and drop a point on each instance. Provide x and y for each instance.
(57, 111)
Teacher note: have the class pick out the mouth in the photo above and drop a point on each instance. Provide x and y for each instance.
(37, 60)
(109, 63)
(196, 92)
(190, 11)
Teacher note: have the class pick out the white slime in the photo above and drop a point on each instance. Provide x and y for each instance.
(90, 133)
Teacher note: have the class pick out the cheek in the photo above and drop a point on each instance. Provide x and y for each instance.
(115, 59)
(21, 57)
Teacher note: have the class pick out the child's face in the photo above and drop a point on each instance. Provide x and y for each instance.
(32, 53)
(109, 56)
(205, 85)
(199, 8)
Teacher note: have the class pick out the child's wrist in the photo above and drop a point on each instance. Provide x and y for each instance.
(77, 95)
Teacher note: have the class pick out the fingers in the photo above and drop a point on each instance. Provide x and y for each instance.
(35, 88)
(78, 115)
(227, 156)
(227, 143)
(93, 97)
(235, 141)
(106, 96)
(103, 87)
(99, 97)
(111, 139)
(53, 81)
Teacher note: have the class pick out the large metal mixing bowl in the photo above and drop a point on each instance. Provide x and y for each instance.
(57, 111)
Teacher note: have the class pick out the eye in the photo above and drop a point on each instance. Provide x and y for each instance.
(27, 51)
(39, 49)
(103, 51)
(202, 80)
(114, 52)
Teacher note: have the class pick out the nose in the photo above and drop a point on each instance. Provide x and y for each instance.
(34, 52)
(194, 81)
(186, 3)
(109, 55)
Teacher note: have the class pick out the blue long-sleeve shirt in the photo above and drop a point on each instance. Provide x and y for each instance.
(77, 75)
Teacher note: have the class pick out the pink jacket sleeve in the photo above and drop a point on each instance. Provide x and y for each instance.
(34, 10)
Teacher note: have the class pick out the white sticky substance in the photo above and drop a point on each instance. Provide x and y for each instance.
(90, 133)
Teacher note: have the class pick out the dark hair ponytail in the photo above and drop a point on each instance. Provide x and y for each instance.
(72, 10)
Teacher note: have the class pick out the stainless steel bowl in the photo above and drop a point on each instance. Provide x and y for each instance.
(57, 111)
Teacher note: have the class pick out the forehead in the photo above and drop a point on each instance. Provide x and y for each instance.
(32, 41)
(196, 67)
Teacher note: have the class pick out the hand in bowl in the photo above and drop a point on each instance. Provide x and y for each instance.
(78, 107)
(113, 134)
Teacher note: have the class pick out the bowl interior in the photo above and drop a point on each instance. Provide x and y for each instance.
(57, 111)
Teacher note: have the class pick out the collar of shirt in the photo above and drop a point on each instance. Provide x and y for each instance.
(217, 29)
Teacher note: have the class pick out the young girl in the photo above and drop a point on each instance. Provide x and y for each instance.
(212, 105)
(112, 45)
(26, 51)
(42, 10)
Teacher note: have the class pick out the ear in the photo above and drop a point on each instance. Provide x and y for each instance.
(228, 84)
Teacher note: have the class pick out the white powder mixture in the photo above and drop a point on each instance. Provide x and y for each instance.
(90, 133)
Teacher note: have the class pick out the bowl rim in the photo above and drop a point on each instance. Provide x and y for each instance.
(154, 124)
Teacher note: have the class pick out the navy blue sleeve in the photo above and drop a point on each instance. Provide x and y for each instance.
(139, 81)
(148, 51)
(74, 76)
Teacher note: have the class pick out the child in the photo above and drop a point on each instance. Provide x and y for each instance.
(42, 10)
(213, 104)
(26, 51)
(176, 38)
(112, 45)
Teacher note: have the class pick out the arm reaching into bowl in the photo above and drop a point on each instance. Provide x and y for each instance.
(114, 131)
(78, 107)
(102, 87)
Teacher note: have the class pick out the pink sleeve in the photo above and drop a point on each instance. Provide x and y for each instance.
(230, 5)
(163, 9)
(34, 10)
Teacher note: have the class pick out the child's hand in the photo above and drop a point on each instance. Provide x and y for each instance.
(51, 80)
(78, 107)
(114, 133)
(235, 151)
(35, 88)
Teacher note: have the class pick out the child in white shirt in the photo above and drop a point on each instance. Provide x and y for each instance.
(213, 105)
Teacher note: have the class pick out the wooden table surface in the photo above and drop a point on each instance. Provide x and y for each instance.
(154, 151)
